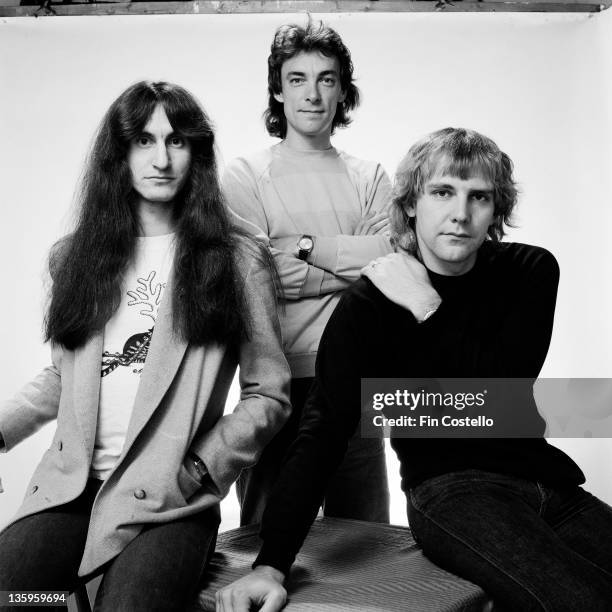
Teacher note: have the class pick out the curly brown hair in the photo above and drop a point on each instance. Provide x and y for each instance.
(291, 39)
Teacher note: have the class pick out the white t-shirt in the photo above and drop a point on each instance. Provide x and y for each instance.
(127, 336)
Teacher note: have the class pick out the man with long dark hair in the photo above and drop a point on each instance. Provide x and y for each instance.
(155, 299)
(322, 213)
(506, 513)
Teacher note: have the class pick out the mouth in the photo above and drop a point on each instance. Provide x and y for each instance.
(160, 178)
(457, 235)
(312, 112)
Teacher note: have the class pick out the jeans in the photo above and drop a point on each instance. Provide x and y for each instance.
(358, 489)
(528, 546)
(160, 570)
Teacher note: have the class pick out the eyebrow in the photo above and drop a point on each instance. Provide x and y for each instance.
(324, 73)
(448, 186)
(438, 186)
(172, 134)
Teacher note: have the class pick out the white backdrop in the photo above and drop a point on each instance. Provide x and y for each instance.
(540, 85)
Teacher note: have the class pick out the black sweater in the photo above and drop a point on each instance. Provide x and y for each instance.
(494, 321)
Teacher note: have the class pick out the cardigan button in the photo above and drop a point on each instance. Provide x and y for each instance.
(60, 445)
(34, 488)
(139, 494)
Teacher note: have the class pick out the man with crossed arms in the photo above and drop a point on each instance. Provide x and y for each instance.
(322, 213)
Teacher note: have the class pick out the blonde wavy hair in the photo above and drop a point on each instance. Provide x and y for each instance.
(456, 152)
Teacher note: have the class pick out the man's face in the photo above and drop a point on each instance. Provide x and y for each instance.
(452, 219)
(310, 94)
(159, 160)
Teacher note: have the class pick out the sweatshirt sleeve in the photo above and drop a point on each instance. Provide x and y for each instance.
(329, 419)
(344, 255)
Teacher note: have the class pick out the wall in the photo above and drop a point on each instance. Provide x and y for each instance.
(539, 84)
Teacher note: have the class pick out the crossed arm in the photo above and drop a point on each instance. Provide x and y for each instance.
(334, 262)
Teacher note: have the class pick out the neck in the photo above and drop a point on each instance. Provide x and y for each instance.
(449, 268)
(155, 218)
(306, 142)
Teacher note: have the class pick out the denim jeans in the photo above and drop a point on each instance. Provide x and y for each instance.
(159, 570)
(358, 490)
(528, 546)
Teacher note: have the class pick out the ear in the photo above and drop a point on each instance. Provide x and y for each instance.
(411, 210)
(279, 97)
(342, 97)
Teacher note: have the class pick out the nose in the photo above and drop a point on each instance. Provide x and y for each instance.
(312, 93)
(460, 212)
(161, 159)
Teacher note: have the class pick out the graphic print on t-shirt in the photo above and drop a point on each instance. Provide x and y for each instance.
(148, 296)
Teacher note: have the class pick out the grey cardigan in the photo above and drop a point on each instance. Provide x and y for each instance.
(179, 407)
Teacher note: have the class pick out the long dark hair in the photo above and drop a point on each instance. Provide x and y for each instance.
(289, 40)
(87, 266)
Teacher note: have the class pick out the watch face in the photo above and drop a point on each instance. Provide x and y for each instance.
(305, 243)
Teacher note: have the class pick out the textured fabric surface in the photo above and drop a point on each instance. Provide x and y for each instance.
(349, 565)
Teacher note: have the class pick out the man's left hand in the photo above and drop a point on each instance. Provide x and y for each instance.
(262, 589)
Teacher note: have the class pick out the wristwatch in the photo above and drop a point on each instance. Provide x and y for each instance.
(305, 245)
(199, 466)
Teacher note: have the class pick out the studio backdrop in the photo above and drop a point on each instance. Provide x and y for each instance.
(538, 84)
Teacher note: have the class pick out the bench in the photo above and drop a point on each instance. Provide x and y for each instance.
(349, 565)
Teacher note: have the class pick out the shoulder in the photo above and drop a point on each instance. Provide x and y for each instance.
(362, 291)
(363, 167)
(252, 166)
(518, 257)
(364, 319)
(369, 177)
(362, 300)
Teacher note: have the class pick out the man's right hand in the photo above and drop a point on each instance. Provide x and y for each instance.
(404, 280)
(372, 224)
(263, 587)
